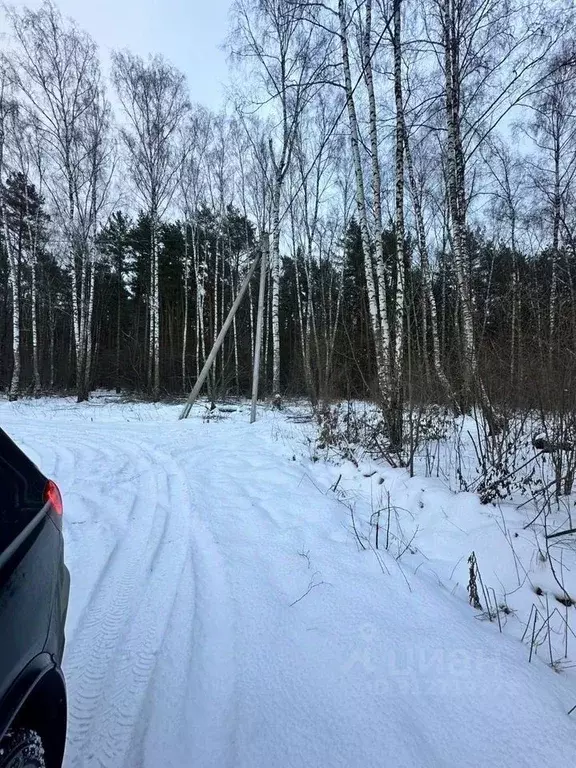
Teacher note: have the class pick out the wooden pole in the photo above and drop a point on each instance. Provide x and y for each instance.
(259, 325)
(219, 340)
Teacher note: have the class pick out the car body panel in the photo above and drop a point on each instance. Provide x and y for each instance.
(34, 582)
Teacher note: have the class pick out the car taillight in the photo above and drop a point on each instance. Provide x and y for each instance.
(53, 497)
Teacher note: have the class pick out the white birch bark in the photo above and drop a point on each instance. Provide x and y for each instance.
(33, 238)
(275, 281)
(186, 306)
(456, 195)
(89, 339)
(429, 299)
(14, 280)
(556, 210)
(34, 320)
(376, 183)
(155, 311)
(153, 97)
(13, 271)
(381, 363)
(396, 416)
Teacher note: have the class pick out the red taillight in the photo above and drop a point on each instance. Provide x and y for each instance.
(53, 497)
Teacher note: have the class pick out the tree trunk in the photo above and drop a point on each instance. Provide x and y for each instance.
(83, 318)
(556, 211)
(456, 201)
(34, 320)
(88, 341)
(265, 245)
(376, 186)
(186, 308)
(32, 236)
(334, 327)
(77, 328)
(396, 399)
(119, 271)
(15, 291)
(429, 299)
(304, 337)
(381, 367)
(275, 280)
(156, 315)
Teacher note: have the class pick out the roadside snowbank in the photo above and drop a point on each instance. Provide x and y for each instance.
(223, 614)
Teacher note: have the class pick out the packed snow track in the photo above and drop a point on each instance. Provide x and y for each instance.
(221, 615)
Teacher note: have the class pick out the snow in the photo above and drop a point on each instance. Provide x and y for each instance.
(223, 615)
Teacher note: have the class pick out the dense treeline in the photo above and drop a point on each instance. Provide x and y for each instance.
(414, 168)
(341, 355)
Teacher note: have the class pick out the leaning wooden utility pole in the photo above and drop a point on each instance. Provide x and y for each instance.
(218, 343)
(259, 325)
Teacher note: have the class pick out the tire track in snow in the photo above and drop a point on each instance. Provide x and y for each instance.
(161, 737)
(91, 651)
(159, 605)
(115, 714)
(211, 702)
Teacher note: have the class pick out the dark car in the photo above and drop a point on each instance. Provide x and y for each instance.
(34, 586)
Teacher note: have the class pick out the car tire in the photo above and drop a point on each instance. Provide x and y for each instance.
(22, 749)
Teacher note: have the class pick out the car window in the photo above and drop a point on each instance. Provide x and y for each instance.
(20, 494)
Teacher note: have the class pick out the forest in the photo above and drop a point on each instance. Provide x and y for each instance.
(409, 168)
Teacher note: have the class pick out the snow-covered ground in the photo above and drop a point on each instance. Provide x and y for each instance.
(224, 614)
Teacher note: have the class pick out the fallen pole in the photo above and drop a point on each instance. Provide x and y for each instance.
(219, 341)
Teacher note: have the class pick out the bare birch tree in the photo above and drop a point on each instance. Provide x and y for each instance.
(154, 101)
(553, 167)
(57, 72)
(194, 144)
(380, 334)
(8, 120)
(287, 58)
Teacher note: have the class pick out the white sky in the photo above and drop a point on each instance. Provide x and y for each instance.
(188, 33)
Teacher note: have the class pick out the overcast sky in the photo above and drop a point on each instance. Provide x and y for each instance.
(188, 33)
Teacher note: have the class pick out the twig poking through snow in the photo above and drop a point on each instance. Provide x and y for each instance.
(310, 588)
(306, 556)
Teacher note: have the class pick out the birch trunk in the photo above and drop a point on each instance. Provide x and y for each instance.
(32, 237)
(195, 262)
(429, 299)
(118, 322)
(300, 319)
(515, 285)
(381, 367)
(267, 328)
(186, 308)
(14, 280)
(275, 280)
(150, 312)
(236, 358)
(396, 400)
(155, 311)
(76, 254)
(259, 325)
(334, 328)
(556, 212)
(77, 327)
(456, 199)
(304, 324)
(34, 319)
(52, 336)
(251, 302)
(376, 184)
(88, 340)
(13, 266)
(312, 328)
(221, 318)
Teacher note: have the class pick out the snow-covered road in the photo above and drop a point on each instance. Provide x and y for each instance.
(222, 617)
